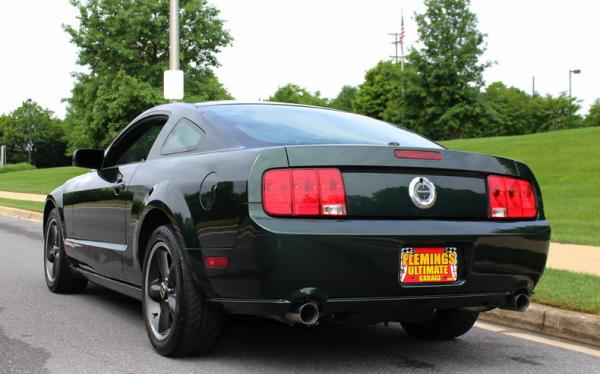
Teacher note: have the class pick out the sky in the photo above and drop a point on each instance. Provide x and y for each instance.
(321, 45)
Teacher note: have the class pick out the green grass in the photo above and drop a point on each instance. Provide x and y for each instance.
(39, 181)
(9, 168)
(33, 206)
(568, 290)
(567, 166)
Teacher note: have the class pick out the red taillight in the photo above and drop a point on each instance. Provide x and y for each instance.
(277, 192)
(216, 262)
(332, 193)
(511, 198)
(304, 192)
(419, 155)
(305, 197)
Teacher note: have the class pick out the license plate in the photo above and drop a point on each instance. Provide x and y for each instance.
(428, 265)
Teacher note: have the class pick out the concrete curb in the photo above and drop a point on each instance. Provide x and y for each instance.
(574, 326)
(21, 214)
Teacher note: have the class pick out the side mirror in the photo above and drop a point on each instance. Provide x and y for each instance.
(88, 158)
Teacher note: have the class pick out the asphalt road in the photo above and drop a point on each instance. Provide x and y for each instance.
(101, 331)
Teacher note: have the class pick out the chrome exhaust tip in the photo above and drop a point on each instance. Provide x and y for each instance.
(306, 314)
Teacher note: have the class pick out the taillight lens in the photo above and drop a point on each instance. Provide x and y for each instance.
(277, 192)
(304, 192)
(511, 198)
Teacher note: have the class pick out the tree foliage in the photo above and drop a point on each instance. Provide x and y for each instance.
(124, 45)
(293, 93)
(593, 116)
(344, 99)
(382, 86)
(31, 126)
(511, 111)
(443, 95)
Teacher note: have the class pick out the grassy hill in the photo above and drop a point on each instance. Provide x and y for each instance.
(567, 166)
(566, 163)
(40, 181)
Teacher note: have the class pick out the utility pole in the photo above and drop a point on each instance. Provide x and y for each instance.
(396, 43)
(399, 41)
(533, 85)
(173, 78)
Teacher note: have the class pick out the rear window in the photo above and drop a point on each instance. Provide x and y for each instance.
(265, 125)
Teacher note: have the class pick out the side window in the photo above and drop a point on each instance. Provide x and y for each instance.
(184, 137)
(136, 144)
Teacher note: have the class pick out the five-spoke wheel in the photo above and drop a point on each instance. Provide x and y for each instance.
(161, 290)
(178, 318)
(52, 250)
(57, 271)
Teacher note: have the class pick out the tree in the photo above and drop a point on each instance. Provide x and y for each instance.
(445, 100)
(382, 85)
(124, 46)
(4, 120)
(344, 99)
(292, 93)
(509, 111)
(554, 113)
(593, 116)
(32, 127)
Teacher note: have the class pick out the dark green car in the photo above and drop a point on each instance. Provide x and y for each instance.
(299, 214)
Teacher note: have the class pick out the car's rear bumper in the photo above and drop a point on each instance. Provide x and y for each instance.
(367, 305)
(352, 265)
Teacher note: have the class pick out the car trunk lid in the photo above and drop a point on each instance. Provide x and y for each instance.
(377, 181)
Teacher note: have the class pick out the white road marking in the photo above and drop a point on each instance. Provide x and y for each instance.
(538, 338)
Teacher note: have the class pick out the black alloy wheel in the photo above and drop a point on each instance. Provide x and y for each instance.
(178, 318)
(57, 272)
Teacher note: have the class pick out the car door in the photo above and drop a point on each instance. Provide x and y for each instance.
(102, 200)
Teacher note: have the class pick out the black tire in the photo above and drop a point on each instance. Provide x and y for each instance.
(57, 272)
(192, 326)
(446, 324)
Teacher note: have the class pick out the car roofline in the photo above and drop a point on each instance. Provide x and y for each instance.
(272, 103)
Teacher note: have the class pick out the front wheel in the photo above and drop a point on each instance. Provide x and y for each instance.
(59, 278)
(178, 319)
(446, 324)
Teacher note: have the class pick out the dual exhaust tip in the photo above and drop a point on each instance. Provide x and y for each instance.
(306, 314)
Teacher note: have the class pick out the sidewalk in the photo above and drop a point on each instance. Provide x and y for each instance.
(22, 196)
(573, 257)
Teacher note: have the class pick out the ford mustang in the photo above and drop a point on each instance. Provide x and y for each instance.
(300, 214)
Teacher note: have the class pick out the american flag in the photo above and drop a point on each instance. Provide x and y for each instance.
(402, 33)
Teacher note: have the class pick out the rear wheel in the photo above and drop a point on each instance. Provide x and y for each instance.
(178, 319)
(446, 324)
(58, 276)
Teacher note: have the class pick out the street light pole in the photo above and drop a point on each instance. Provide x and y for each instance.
(174, 35)
(574, 71)
(173, 78)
